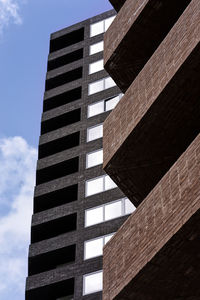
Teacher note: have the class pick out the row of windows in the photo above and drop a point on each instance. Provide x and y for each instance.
(94, 247)
(101, 26)
(98, 185)
(100, 85)
(103, 106)
(108, 211)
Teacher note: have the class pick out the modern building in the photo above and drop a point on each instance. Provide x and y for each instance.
(77, 207)
(152, 150)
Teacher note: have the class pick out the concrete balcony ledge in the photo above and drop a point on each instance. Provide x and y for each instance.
(134, 35)
(158, 117)
(155, 254)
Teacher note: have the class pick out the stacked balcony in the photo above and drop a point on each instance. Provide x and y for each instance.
(151, 145)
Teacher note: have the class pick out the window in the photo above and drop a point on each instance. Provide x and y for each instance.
(94, 216)
(95, 109)
(113, 210)
(108, 21)
(96, 66)
(94, 247)
(100, 85)
(98, 185)
(108, 211)
(94, 132)
(111, 103)
(94, 158)
(92, 282)
(102, 106)
(96, 28)
(100, 27)
(97, 47)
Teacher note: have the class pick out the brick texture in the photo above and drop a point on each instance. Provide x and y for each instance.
(160, 238)
(158, 117)
(134, 36)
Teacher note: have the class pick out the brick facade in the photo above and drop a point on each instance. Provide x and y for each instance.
(152, 151)
(140, 251)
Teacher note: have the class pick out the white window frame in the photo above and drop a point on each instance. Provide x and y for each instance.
(103, 80)
(103, 190)
(87, 275)
(87, 157)
(123, 200)
(104, 105)
(101, 44)
(101, 124)
(91, 65)
(104, 25)
(103, 238)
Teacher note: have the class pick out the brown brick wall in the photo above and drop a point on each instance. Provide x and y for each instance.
(151, 81)
(173, 202)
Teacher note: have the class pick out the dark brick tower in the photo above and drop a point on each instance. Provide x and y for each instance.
(77, 207)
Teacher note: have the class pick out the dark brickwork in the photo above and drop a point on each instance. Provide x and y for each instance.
(60, 202)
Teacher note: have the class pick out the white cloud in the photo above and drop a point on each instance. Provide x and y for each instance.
(17, 169)
(9, 13)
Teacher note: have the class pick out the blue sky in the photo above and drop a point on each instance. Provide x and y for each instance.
(25, 27)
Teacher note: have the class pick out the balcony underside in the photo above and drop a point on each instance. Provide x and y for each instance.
(155, 253)
(158, 117)
(136, 32)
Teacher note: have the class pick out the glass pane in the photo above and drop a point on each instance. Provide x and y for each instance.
(113, 210)
(94, 216)
(110, 104)
(96, 87)
(96, 66)
(95, 109)
(129, 207)
(94, 158)
(94, 186)
(93, 282)
(108, 22)
(109, 82)
(96, 28)
(94, 133)
(107, 238)
(109, 183)
(98, 47)
(93, 248)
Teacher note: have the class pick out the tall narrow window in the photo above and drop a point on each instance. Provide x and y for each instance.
(96, 66)
(94, 132)
(97, 47)
(94, 158)
(92, 282)
(95, 109)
